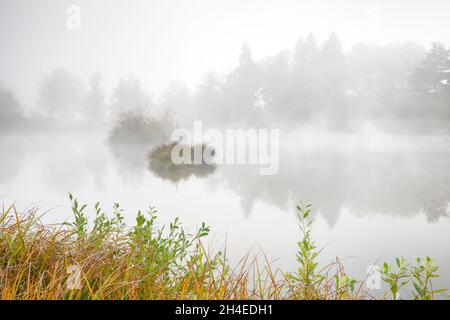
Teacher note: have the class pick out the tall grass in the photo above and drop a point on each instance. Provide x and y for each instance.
(105, 259)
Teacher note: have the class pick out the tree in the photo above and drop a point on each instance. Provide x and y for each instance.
(247, 66)
(332, 74)
(379, 79)
(134, 127)
(242, 86)
(277, 91)
(129, 96)
(230, 98)
(433, 76)
(10, 109)
(332, 65)
(94, 101)
(247, 74)
(305, 80)
(209, 100)
(306, 53)
(432, 81)
(176, 101)
(60, 94)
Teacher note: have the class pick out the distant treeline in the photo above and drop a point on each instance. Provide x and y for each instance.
(398, 84)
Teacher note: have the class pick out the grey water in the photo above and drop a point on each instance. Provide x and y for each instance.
(375, 196)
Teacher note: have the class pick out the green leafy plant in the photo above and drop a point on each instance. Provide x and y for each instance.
(420, 275)
(80, 223)
(148, 260)
(307, 274)
(423, 273)
(396, 279)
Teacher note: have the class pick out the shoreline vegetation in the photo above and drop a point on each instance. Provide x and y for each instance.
(159, 161)
(106, 259)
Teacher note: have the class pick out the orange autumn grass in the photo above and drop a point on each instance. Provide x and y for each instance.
(106, 259)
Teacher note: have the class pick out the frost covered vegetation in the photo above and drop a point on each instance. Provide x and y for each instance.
(105, 259)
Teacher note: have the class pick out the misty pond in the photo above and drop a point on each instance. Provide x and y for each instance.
(375, 196)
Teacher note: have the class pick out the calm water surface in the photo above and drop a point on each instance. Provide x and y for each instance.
(375, 196)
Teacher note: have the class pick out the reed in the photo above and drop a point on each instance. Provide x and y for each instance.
(106, 259)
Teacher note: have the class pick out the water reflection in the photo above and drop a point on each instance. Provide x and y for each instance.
(69, 163)
(129, 161)
(13, 157)
(405, 180)
(45, 167)
(401, 184)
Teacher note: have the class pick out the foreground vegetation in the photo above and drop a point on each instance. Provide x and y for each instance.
(105, 259)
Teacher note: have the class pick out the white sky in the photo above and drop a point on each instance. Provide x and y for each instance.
(162, 40)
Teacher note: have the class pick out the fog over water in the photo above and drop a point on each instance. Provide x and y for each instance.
(360, 91)
(373, 200)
